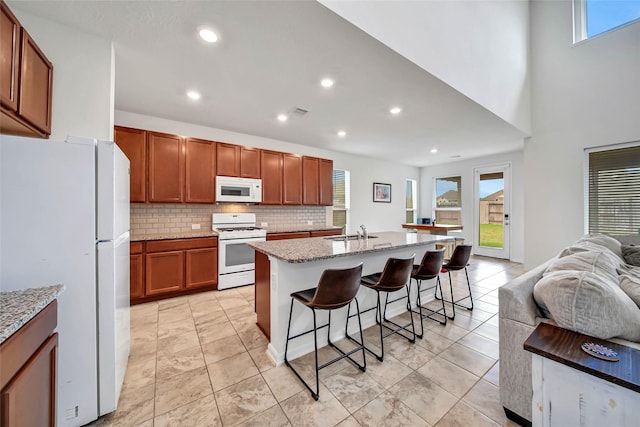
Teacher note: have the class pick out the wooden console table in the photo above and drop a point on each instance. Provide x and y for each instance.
(581, 389)
(438, 229)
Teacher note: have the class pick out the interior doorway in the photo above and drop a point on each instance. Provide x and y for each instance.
(492, 205)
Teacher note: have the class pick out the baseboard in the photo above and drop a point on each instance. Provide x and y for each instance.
(516, 418)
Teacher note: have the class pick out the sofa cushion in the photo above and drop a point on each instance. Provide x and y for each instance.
(588, 303)
(596, 261)
(630, 282)
(631, 254)
(602, 240)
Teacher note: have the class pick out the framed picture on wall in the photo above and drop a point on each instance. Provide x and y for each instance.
(381, 192)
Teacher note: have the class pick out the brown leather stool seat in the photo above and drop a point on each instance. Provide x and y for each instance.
(393, 278)
(336, 289)
(428, 269)
(459, 261)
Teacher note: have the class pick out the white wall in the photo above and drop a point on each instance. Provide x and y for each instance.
(82, 78)
(364, 171)
(480, 48)
(464, 169)
(583, 96)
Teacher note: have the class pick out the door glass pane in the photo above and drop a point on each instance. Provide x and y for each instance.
(491, 219)
(239, 254)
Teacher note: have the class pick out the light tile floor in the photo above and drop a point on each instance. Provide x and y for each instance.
(200, 360)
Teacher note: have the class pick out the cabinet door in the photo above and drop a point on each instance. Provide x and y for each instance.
(325, 185)
(291, 179)
(286, 236)
(165, 272)
(323, 233)
(271, 168)
(9, 57)
(36, 80)
(136, 276)
(228, 159)
(200, 172)
(30, 398)
(249, 162)
(201, 267)
(166, 163)
(133, 143)
(310, 181)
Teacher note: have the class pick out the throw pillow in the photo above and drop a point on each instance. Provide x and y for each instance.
(630, 282)
(601, 262)
(631, 254)
(588, 303)
(602, 240)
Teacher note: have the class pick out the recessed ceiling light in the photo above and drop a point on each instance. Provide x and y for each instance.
(208, 35)
(282, 117)
(193, 95)
(434, 150)
(395, 110)
(327, 82)
(342, 133)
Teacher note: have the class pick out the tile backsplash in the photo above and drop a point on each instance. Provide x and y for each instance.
(176, 218)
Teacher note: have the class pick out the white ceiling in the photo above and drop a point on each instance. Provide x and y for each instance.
(270, 58)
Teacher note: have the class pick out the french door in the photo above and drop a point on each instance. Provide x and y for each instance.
(492, 188)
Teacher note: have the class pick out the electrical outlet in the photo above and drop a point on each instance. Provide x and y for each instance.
(309, 222)
(264, 224)
(195, 226)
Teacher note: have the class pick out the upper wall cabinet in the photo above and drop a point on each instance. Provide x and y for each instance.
(325, 179)
(26, 81)
(238, 161)
(291, 179)
(200, 171)
(310, 193)
(166, 167)
(271, 167)
(133, 142)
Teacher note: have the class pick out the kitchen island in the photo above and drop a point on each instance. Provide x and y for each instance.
(287, 266)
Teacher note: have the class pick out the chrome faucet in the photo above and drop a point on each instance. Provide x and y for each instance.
(364, 231)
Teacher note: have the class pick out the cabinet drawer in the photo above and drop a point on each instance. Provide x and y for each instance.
(322, 233)
(135, 248)
(181, 244)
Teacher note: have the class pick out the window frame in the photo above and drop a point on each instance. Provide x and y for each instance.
(586, 177)
(435, 198)
(347, 198)
(580, 22)
(414, 199)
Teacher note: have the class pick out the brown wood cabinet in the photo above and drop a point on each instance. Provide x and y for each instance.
(249, 162)
(166, 167)
(323, 233)
(291, 179)
(310, 188)
(288, 235)
(228, 159)
(173, 267)
(200, 171)
(133, 143)
(28, 374)
(325, 182)
(26, 80)
(136, 270)
(271, 167)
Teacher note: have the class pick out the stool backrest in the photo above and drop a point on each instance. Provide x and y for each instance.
(430, 265)
(337, 287)
(459, 258)
(396, 274)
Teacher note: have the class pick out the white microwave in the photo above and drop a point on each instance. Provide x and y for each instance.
(238, 190)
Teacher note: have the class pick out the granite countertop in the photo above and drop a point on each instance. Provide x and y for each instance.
(299, 228)
(317, 248)
(138, 237)
(18, 307)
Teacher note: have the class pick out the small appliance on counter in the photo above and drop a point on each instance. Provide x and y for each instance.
(236, 260)
(65, 219)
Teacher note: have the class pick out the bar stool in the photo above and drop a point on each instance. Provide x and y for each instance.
(429, 269)
(394, 277)
(336, 289)
(459, 261)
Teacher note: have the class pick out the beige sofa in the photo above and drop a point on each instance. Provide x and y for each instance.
(520, 313)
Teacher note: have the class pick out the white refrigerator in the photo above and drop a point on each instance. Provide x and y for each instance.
(64, 219)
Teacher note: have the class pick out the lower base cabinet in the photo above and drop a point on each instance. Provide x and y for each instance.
(173, 267)
(28, 374)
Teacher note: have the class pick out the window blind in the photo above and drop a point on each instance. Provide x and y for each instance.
(614, 191)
